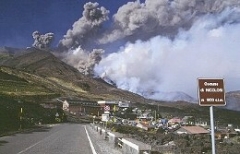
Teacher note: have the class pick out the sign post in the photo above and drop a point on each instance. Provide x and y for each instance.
(106, 108)
(211, 93)
(105, 115)
(21, 118)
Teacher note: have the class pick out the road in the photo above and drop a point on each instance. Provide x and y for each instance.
(54, 139)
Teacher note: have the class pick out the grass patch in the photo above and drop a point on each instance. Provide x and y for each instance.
(21, 88)
(9, 77)
(67, 85)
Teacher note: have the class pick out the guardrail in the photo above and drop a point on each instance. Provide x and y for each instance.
(133, 146)
(119, 142)
(127, 145)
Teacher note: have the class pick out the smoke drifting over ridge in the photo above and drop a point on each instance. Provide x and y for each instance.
(168, 44)
(42, 41)
(83, 60)
(165, 65)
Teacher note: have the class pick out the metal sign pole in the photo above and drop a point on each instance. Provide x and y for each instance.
(21, 118)
(212, 129)
(211, 93)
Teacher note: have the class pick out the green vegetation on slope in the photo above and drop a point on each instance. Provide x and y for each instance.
(19, 84)
(9, 77)
(10, 113)
(23, 84)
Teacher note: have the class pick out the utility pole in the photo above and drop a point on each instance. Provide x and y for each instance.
(155, 116)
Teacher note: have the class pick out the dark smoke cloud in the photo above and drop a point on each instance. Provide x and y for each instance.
(139, 21)
(42, 41)
(86, 26)
(136, 20)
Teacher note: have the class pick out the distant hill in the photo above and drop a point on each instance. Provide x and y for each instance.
(171, 96)
(233, 100)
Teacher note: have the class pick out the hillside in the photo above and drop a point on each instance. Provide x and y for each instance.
(233, 100)
(44, 74)
(34, 75)
(38, 72)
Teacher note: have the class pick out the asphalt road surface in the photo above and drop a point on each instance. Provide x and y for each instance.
(54, 139)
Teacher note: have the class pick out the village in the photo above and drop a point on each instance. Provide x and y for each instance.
(113, 115)
(123, 113)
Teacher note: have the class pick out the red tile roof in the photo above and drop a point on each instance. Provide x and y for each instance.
(195, 129)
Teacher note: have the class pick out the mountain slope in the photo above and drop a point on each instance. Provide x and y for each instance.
(170, 96)
(47, 75)
(42, 68)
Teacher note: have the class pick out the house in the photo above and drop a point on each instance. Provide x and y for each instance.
(174, 120)
(124, 104)
(188, 120)
(201, 123)
(144, 125)
(221, 134)
(191, 130)
(146, 116)
(111, 103)
(81, 107)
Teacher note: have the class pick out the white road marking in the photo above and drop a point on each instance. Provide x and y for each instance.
(90, 142)
(36, 144)
(29, 147)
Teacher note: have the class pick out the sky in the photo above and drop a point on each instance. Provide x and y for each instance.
(155, 48)
(19, 19)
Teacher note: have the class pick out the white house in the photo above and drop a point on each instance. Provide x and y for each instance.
(65, 106)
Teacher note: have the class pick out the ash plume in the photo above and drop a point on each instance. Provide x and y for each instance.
(83, 60)
(86, 27)
(42, 41)
(136, 20)
(158, 45)
(210, 49)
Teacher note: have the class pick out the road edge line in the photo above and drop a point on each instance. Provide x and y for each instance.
(90, 142)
